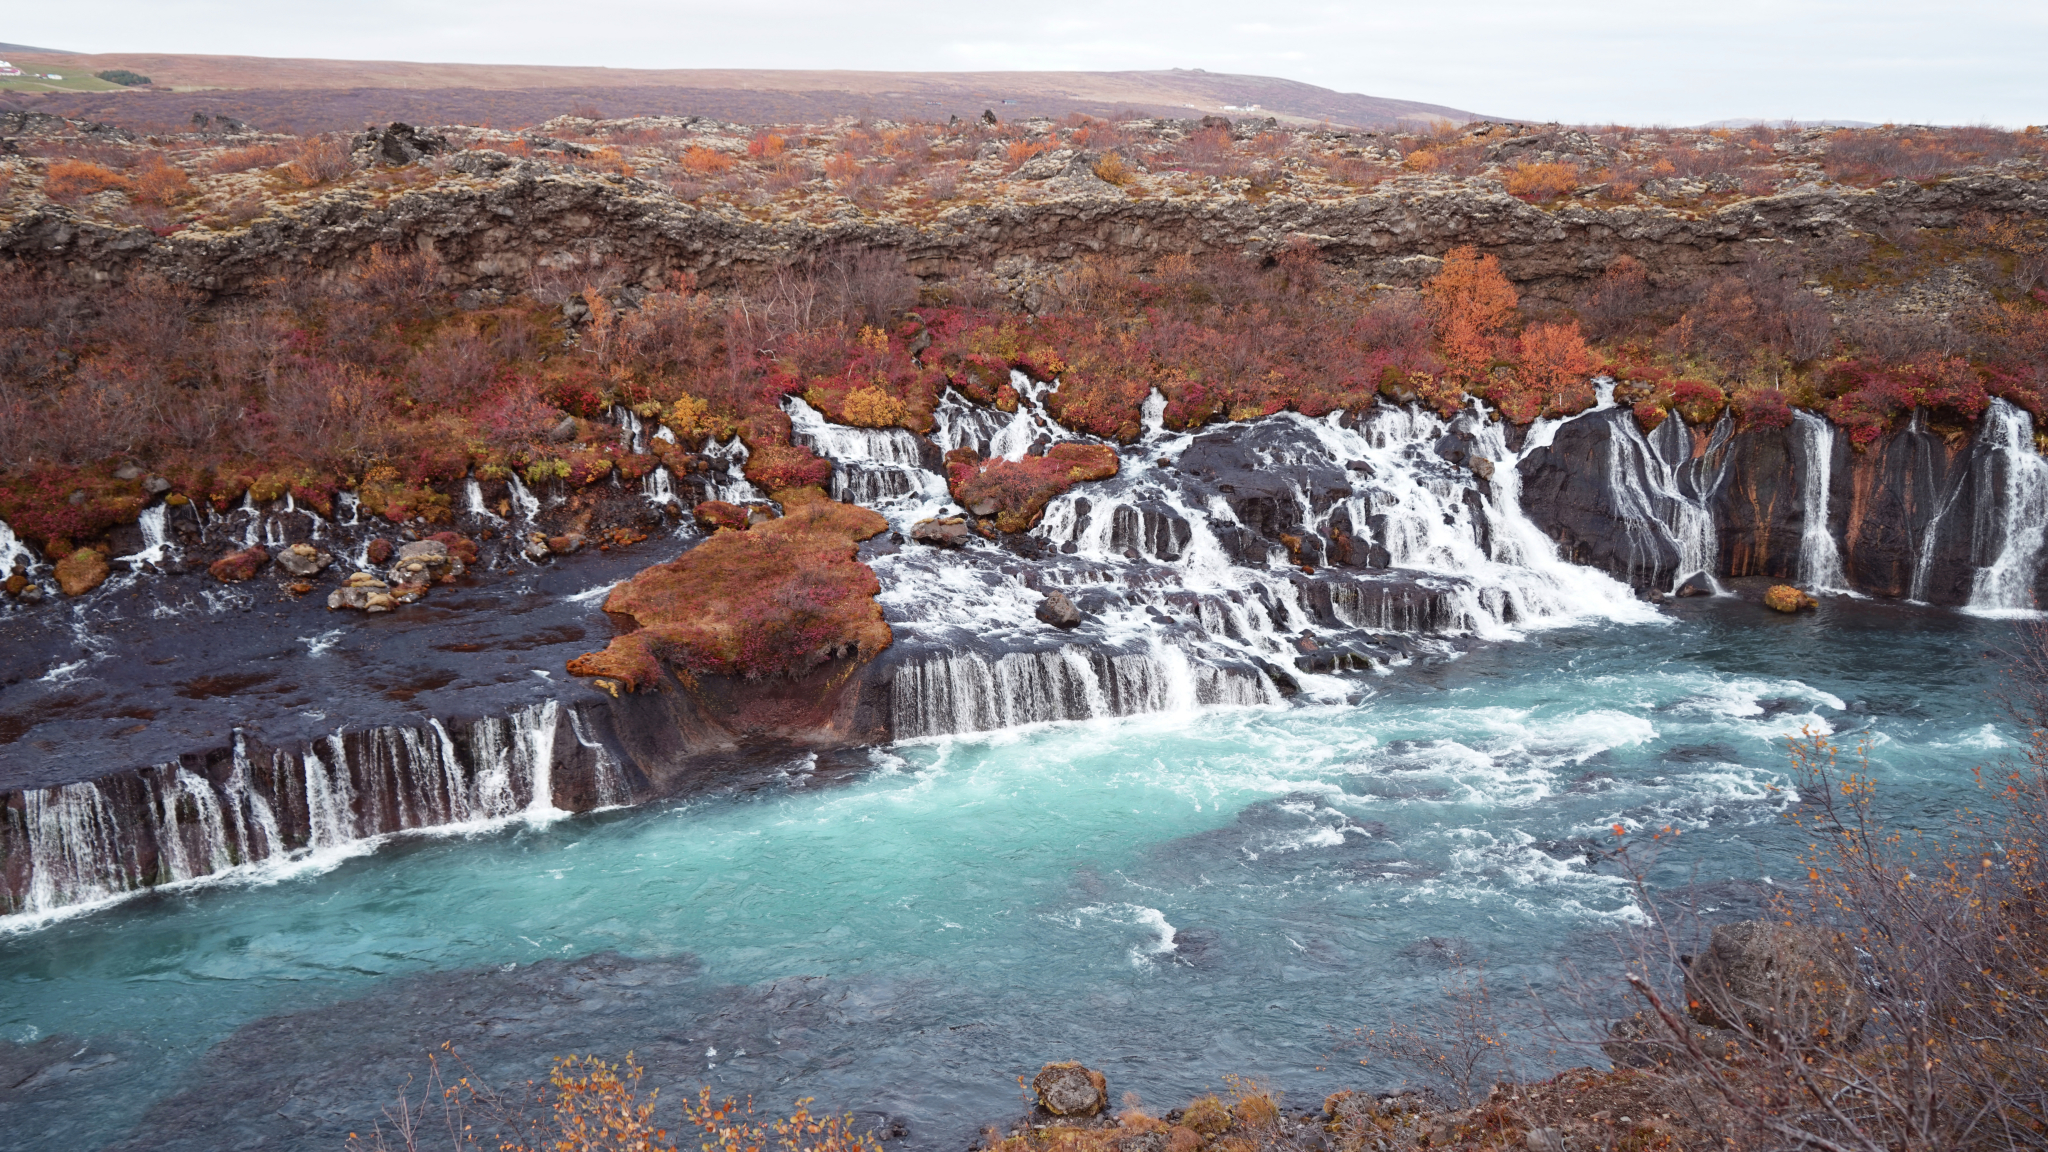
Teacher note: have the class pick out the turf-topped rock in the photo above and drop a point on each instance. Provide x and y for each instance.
(776, 600)
(236, 567)
(1786, 598)
(1015, 492)
(81, 572)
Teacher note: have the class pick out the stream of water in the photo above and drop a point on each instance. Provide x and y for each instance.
(1169, 897)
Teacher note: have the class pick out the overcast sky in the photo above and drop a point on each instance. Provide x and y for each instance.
(1639, 62)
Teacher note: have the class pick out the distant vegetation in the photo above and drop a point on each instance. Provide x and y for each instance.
(123, 77)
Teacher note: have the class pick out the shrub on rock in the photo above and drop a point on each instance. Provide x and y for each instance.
(1069, 1089)
(1016, 492)
(1786, 598)
(81, 572)
(236, 567)
(777, 600)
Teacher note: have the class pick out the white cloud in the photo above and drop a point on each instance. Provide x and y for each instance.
(1575, 60)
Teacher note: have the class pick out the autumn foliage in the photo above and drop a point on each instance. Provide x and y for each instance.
(777, 599)
(1015, 492)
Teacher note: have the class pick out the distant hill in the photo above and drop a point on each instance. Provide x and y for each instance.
(280, 93)
(23, 50)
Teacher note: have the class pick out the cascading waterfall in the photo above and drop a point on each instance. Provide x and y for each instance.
(2013, 523)
(733, 487)
(156, 540)
(966, 692)
(871, 466)
(524, 502)
(473, 501)
(13, 551)
(1820, 561)
(1646, 479)
(1923, 561)
(93, 841)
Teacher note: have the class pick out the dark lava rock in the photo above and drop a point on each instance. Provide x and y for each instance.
(1059, 611)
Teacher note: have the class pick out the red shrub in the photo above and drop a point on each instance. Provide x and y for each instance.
(1016, 492)
(1762, 408)
(778, 600)
(775, 467)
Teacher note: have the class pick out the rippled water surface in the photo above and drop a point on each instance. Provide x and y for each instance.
(1169, 897)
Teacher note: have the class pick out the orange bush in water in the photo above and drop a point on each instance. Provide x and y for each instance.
(778, 599)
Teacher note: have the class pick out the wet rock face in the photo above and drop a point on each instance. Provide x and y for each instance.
(1055, 609)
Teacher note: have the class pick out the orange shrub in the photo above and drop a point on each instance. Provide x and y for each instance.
(243, 159)
(1022, 150)
(1556, 369)
(161, 184)
(72, 179)
(705, 162)
(1113, 169)
(320, 160)
(766, 146)
(1472, 304)
(1423, 160)
(1541, 182)
(842, 168)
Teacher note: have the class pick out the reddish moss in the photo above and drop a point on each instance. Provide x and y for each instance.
(777, 600)
(236, 567)
(712, 515)
(1016, 492)
(777, 466)
(81, 572)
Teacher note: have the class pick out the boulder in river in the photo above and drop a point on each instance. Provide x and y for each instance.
(1786, 598)
(1059, 611)
(364, 593)
(302, 560)
(236, 567)
(941, 532)
(1773, 977)
(82, 571)
(425, 561)
(1069, 1089)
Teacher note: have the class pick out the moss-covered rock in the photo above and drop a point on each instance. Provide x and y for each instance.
(82, 571)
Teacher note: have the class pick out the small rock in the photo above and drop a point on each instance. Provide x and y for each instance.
(536, 547)
(983, 507)
(423, 562)
(1068, 1089)
(33, 594)
(177, 500)
(1544, 1140)
(81, 572)
(564, 545)
(15, 583)
(236, 567)
(77, 497)
(946, 532)
(566, 430)
(128, 472)
(1059, 611)
(1694, 588)
(379, 550)
(301, 588)
(156, 485)
(1483, 468)
(1786, 598)
(303, 560)
(363, 592)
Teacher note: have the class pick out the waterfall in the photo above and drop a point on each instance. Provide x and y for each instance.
(870, 466)
(634, 438)
(473, 501)
(80, 844)
(1923, 561)
(1820, 561)
(2012, 513)
(735, 488)
(1644, 478)
(955, 692)
(156, 540)
(964, 424)
(13, 551)
(525, 503)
